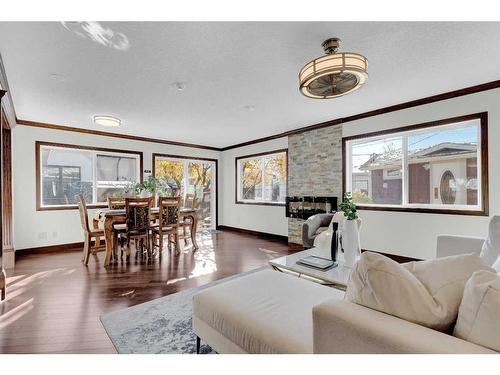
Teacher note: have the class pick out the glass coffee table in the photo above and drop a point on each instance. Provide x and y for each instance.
(336, 277)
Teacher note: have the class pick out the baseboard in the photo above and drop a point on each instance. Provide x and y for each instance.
(50, 249)
(270, 236)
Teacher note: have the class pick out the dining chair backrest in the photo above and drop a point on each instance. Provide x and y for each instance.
(137, 215)
(116, 203)
(189, 201)
(82, 208)
(169, 211)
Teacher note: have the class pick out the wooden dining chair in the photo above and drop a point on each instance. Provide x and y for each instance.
(138, 222)
(119, 230)
(168, 223)
(116, 203)
(89, 234)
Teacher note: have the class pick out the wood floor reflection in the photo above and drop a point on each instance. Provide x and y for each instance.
(54, 302)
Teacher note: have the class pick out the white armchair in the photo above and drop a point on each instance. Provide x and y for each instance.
(449, 245)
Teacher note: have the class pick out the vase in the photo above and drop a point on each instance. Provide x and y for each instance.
(323, 241)
(350, 242)
(145, 194)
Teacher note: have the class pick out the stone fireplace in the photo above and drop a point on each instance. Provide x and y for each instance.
(314, 169)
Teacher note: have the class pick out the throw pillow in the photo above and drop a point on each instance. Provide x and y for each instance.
(496, 265)
(426, 292)
(478, 319)
(491, 247)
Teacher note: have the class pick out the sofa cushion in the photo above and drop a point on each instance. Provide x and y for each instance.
(478, 318)
(491, 247)
(264, 312)
(426, 292)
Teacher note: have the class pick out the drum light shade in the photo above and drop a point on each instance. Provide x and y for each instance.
(105, 120)
(334, 74)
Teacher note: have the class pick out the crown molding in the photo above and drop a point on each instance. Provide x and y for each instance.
(393, 108)
(45, 125)
(397, 107)
(7, 103)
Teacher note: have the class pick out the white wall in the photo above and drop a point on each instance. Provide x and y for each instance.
(41, 228)
(414, 234)
(268, 219)
(408, 234)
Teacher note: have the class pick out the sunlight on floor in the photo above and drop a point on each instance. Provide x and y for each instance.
(16, 313)
(20, 282)
(204, 256)
(173, 281)
(17, 286)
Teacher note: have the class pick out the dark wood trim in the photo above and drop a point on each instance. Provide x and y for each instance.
(7, 212)
(38, 144)
(261, 204)
(7, 102)
(413, 103)
(397, 107)
(155, 155)
(236, 201)
(109, 134)
(5, 122)
(429, 124)
(265, 235)
(73, 246)
(263, 153)
(482, 116)
(3, 277)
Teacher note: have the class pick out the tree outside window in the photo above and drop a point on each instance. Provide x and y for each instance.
(262, 178)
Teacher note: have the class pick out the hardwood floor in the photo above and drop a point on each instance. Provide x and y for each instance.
(54, 302)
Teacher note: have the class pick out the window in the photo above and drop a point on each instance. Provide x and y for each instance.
(64, 171)
(195, 180)
(431, 167)
(262, 178)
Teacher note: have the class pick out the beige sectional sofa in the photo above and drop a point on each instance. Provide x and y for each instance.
(273, 312)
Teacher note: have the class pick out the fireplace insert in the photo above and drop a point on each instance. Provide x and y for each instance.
(302, 207)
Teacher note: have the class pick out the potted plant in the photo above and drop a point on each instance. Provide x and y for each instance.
(350, 230)
(154, 186)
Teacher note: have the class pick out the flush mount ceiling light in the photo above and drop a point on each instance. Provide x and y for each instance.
(105, 120)
(333, 75)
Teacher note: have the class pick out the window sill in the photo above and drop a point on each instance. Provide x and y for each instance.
(262, 203)
(442, 211)
(70, 207)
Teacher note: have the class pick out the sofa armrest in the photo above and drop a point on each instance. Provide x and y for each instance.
(448, 245)
(345, 327)
(311, 225)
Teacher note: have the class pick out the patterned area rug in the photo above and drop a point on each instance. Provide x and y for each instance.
(159, 326)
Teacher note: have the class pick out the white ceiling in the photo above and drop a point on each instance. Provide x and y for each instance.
(59, 77)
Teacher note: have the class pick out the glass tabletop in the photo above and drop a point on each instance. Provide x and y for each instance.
(338, 276)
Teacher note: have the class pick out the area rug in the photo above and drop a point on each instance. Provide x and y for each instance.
(159, 326)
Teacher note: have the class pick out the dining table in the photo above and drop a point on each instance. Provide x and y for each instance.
(110, 218)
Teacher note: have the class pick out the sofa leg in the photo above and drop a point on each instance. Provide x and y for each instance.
(198, 344)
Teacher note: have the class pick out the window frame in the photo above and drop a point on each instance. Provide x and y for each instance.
(483, 201)
(237, 178)
(194, 158)
(38, 171)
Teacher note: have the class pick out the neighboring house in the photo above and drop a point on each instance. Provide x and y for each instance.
(445, 173)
